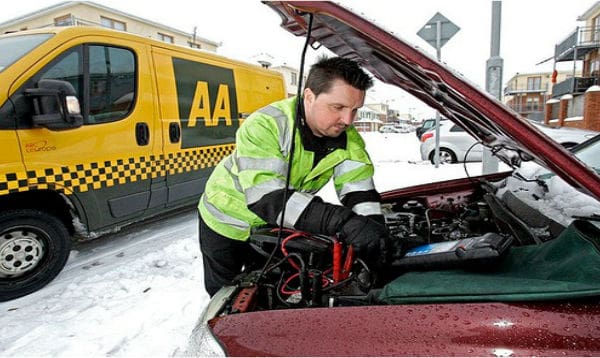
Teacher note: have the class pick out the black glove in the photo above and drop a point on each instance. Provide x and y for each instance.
(368, 238)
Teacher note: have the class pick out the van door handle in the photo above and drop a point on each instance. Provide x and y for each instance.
(142, 133)
(174, 132)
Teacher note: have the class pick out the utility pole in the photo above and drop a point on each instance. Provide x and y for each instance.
(493, 78)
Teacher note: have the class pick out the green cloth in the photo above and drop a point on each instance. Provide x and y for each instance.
(564, 268)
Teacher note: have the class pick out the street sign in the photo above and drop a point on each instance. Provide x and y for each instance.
(429, 31)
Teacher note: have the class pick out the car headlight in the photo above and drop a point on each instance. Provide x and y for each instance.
(202, 342)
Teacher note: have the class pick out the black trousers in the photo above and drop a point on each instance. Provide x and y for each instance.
(223, 258)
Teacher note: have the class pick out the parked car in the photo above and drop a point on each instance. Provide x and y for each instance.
(389, 129)
(396, 128)
(426, 125)
(456, 145)
(521, 284)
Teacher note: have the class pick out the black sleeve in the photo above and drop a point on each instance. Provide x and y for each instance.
(270, 205)
(323, 218)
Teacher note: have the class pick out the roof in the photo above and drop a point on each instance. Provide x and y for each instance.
(69, 4)
(593, 10)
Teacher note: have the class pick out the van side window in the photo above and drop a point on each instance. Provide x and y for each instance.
(68, 68)
(111, 83)
(106, 88)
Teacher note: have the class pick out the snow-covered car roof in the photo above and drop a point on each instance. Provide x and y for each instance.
(396, 62)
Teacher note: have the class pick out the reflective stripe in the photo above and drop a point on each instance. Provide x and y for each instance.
(275, 165)
(368, 208)
(362, 185)
(294, 207)
(256, 192)
(228, 164)
(224, 218)
(282, 124)
(347, 166)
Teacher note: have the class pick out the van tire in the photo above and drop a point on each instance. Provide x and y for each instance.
(34, 247)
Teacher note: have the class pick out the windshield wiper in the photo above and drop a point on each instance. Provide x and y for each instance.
(536, 180)
(593, 217)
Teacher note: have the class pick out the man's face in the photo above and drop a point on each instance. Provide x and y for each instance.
(330, 113)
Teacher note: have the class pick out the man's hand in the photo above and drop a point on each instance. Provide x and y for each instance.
(368, 238)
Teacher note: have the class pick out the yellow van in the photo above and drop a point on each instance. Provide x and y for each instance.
(99, 129)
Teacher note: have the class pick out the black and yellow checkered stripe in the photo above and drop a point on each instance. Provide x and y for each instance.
(97, 175)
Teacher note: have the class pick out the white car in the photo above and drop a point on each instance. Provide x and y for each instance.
(396, 128)
(456, 145)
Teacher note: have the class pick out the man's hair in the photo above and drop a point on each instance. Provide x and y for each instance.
(326, 70)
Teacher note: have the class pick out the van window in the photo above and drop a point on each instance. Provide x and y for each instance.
(14, 47)
(68, 68)
(111, 83)
(109, 80)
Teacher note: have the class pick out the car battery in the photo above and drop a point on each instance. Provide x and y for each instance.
(469, 252)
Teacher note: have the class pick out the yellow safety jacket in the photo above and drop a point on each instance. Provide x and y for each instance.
(254, 175)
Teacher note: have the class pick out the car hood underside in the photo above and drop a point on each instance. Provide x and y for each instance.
(396, 62)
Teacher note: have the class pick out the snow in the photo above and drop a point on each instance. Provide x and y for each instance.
(139, 292)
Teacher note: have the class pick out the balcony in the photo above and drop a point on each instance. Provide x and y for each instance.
(513, 89)
(573, 85)
(580, 42)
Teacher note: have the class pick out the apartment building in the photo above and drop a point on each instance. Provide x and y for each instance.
(527, 93)
(575, 101)
(87, 13)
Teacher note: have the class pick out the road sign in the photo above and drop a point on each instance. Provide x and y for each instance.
(429, 32)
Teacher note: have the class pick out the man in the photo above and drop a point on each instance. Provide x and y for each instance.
(246, 190)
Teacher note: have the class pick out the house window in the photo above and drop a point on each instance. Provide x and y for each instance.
(65, 20)
(533, 104)
(595, 68)
(596, 29)
(294, 79)
(534, 83)
(166, 38)
(194, 45)
(112, 23)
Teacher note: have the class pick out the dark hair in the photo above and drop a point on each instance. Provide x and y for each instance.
(326, 70)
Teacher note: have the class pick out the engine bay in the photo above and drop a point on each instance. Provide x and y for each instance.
(470, 226)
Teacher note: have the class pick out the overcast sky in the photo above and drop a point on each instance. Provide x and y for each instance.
(530, 29)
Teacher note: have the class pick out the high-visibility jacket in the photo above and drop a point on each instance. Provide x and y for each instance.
(257, 169)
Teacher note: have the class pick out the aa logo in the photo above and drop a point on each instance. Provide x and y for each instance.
(207, 103)
(201, 106)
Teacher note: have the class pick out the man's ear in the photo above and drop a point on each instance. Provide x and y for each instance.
(309, 95)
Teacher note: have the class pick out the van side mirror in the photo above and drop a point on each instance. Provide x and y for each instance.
(55, 105)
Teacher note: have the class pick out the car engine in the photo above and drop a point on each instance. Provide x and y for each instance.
(306, 270)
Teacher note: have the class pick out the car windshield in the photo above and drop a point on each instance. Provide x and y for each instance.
(547, 193)
(12, 48)
(589, 154)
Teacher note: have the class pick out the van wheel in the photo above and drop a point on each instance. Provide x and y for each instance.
(446, 156)
(34, 247)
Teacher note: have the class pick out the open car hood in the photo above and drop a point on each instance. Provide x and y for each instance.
(394, 61)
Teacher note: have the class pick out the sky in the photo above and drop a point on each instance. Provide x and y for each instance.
(139, 293)
(529, 30)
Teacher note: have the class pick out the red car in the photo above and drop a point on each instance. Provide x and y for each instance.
(491, 270)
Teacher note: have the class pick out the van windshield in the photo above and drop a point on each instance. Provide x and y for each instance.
(12, 48)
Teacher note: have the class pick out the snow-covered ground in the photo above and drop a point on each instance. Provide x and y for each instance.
(139, 292)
